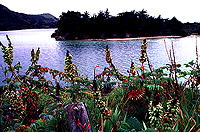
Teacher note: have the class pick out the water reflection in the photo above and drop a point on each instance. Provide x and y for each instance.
(86, 55)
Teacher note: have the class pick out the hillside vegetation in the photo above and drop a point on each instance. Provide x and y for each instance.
(10, 20)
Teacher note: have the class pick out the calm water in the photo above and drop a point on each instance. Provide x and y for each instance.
(88, 54)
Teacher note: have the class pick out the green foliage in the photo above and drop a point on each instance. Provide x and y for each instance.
(51, 126)
(189, 112)
(134, 124)
(111, 122)
(38, 125)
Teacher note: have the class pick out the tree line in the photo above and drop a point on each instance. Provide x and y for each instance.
(74, 25)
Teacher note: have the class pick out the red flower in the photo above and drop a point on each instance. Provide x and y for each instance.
(32, 121)
(7, 117)
(124, 80)
(142, 67)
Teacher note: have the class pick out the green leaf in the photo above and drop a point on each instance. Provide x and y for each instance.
(157, 81)
(40, 129)
(134, 123)
(145, 127)
(150, 130)
(17, 84)
(17, 125)
(191, 62)
(16, 120)
(133, 130)
(124, 125)
(76, 86)
(51, 126)
(178, 65)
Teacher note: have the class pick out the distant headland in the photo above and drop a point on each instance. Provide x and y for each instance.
(10, 20)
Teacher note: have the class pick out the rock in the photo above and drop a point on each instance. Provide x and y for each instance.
(77, 117)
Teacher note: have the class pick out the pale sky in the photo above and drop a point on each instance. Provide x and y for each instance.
(183, 10)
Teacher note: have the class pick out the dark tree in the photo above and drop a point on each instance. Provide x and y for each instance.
(107, 14)
(86, 15)
(176, 27)
(74, 25)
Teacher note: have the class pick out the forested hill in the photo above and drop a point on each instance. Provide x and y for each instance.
(74, 25)
(10, 20)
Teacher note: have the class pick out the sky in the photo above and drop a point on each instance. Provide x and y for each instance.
(183, 10)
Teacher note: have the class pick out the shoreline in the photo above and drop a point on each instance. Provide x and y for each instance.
(130, 39)
(120, 39)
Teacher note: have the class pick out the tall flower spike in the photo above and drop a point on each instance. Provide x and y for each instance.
(108, 57)
(8, 52)
(9, 42)
(69, 66)
(143, 57)
(35, 56)
(132, 69)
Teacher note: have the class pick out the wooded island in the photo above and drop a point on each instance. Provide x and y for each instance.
(76, 26)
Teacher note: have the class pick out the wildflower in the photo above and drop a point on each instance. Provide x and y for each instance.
(32, 121)
(124, 81)
(108, 57)
(7, 117)
(142, 67)
(143, 57)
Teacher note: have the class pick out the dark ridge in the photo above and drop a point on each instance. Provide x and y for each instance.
(10, 20)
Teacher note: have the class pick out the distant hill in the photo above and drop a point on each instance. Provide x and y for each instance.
(10, 20)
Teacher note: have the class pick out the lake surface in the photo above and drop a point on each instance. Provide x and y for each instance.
(88, 54)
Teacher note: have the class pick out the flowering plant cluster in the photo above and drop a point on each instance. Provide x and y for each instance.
(115, 102)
